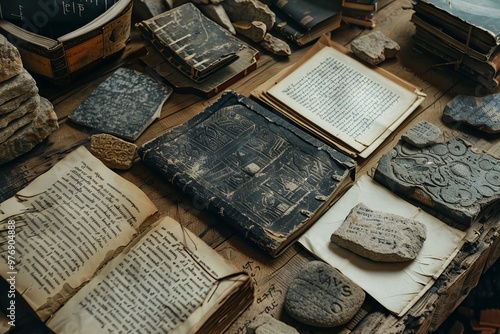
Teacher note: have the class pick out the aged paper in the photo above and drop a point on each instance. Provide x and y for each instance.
(168, 282)
(344, 97)
(67, 222)
(397, 286)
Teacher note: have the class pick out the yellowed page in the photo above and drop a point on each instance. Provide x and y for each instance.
(168, 282)
(344, 97)
(64, 225)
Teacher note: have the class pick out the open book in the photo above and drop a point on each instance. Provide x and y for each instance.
(346, 103)
(62, 240)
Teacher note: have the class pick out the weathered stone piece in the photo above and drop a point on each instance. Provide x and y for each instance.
(322, 296)
(16, 86)
(482, 113)
(10, 60)
(15, 102)
(275, 45)
(451, 177)
(249, 10)
(218, 14)
(422, 134)
(25, 109)
(112, 151)
(380, 236)
(374, 47)
(266, 324)
(254, 30)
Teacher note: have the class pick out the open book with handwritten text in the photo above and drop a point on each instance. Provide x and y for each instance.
(346, 103)
(86, 256)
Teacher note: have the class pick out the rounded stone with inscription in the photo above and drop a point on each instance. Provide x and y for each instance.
(322, 296)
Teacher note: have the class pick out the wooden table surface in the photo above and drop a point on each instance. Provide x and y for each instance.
(272, 276)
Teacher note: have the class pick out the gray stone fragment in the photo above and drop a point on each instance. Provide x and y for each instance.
(374, 47)
(266, 324)
(275, 45)
(207, 2)
(218, 14)
(16, 86)
(482, 113)
(26, 108)
(10, 60)
(112, 151)
(322, 296)
(14, 103)
(23, 140)
(380, 236)
(15, 125)
(249, 10)
(254, 30)
(422, 134)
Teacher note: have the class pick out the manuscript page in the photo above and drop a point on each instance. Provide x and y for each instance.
(67, 222)
(169, 281)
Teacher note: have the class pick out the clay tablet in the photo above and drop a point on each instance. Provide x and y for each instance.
(322, 296)
(112, 151)
(266, 324)
(380, 236)
(479, 112)
(422, 134)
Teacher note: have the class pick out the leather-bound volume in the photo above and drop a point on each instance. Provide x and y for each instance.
(262, 174)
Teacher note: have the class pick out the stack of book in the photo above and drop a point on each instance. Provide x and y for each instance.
(463, 35)
(359, 12)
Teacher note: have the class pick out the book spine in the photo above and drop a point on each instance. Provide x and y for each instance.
(40, 13)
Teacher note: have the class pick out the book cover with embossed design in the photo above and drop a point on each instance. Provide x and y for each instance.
(258, 171)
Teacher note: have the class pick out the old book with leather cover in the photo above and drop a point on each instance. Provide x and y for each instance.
(262, 174)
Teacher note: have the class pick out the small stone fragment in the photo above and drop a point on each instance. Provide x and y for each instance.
(249, 10)
(276, 45)
(322, 296)
(374, 47)
(10, 59)
(16, 86)
(479, 112)
(254, 30)
(112, 151)
(15, 102)
(266, 324)
(217, 14)
(207, 2)
(380, 236)
(422, 134)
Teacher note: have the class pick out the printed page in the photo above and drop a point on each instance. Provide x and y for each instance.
(60, 228)
(168, 282)
(344, 97)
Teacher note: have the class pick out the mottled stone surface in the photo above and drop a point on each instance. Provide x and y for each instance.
(380, 236)
(276, 45)
(482, 113)
(374, 47)
(112, 151)
(322, 296)
(218, 14)
(10, 60)
(249, 10)
(16, 86)
(254, 30)
(26, 108)
(14, 103)
(266, 324)
(422, 134)
(23, 140)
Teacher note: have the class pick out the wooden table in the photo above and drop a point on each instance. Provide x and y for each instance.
(272, 276)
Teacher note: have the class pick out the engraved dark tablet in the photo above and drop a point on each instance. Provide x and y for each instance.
(422, 134)
(322, 296)
(124, 105)
(479, 112)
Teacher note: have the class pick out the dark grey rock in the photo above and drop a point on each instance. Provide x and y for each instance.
(26, 108)
(266, 324)
(482, 113)
(422, 134)
(112, 151)
(374, 47)
(322, 296)
(10, 60)
(124, 105)
(16, 86)
(380, 236)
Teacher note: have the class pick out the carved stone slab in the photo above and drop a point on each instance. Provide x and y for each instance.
(380, 236)
(322, 296)
(422, 134)
(374, 47)
(451, 177)
(112, 151)
(265, 324)
(482, 113)
(10, 60)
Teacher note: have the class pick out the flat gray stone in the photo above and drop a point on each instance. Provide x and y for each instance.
(482, 113)
(112, 151)
(380, 236)
(422, 134)
(266, 324)
(322, 296)
(249, 10)
(218, 14)
(275, 45)
(14, 103)
(254, 30)
(10, 60)
(16, 86)
(374, 47)
(26, 108)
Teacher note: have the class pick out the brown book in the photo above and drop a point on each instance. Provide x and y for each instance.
(88, 256)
